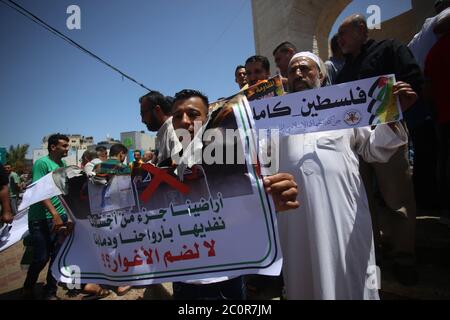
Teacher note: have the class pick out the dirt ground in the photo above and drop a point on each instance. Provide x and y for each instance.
(433, 262)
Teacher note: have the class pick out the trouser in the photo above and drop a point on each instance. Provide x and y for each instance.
(46, 245)
(233, 289)
(13, 201)
(396, 217)
(443, 165)
(425, 178)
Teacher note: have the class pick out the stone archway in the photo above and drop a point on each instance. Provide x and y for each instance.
(307, 24)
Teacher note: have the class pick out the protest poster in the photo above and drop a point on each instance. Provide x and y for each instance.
(353, 104)
(264, 89)
(217, 221)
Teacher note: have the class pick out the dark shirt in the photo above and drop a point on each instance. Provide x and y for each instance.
(388, 57)
(382, 58)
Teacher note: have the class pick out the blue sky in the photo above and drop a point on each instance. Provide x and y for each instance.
(49, 86)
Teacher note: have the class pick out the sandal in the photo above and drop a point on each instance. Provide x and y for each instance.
(102, 293)
(122, 290)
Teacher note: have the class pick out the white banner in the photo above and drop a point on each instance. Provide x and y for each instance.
(44, 188)
(153, 228)
(354, 104)
(12, 233)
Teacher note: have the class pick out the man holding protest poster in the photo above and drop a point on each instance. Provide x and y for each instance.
(327, 242)
(191, 106)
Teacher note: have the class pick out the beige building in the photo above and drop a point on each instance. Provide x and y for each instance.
(78, 144)
(76, 141)
(307, 24)
(137, 140)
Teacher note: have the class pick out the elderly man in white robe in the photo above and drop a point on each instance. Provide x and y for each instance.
(327, 242)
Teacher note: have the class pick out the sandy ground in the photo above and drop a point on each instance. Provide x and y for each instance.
(433, 262)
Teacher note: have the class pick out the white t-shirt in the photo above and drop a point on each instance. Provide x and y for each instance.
(89, 167)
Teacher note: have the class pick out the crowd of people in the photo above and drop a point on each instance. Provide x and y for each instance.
(347, 194)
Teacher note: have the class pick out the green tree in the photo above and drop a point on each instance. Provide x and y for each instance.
(16, 156)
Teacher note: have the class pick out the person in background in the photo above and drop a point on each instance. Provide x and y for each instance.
(102, 153)
(15, 187)
(115, 166)
(257, 69)
(6, 216)
(47, 221)
(336, 61)
(282, 54)
(135, 165)
(156, 115)
(366, 58)
(240, 77)
(148, 156)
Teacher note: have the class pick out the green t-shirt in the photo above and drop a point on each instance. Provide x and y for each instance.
(14, 181)
(37, 211)
(112, 166)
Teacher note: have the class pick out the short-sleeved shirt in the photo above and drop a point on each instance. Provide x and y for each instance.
(14, 182)
(38, 211)
(112, 166)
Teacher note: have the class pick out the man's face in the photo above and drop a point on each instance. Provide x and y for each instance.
(102, 155)
(303, 75)
(282, 60)
(255, 72)
(61, 149)
(148, 156)
(350, 38)
(187, 112)
(8, 168)
(148, 116)
(137, 156)
(241, 77)
(122, 156)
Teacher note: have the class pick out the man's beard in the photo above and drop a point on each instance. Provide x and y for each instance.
(154, 123)
(305, 85)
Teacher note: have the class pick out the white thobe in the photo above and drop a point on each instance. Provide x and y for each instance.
(327, 243)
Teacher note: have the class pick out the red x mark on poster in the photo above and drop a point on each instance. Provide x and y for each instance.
(159, 176)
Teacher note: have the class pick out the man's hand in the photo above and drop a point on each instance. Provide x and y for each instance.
(7, 217)
(57, 223)
(70, 225)
(283, 189)
(406, 95)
